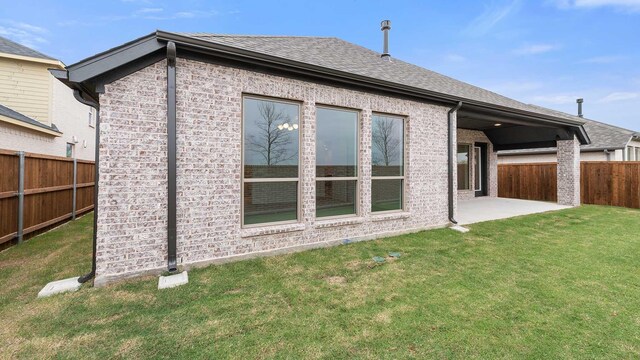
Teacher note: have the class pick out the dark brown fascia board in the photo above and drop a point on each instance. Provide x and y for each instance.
(114, 58)
(340, 76)
(109, 60)
(219, 49)
(85, 92)
(554, 150)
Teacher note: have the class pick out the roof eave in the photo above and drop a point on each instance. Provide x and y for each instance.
(109, 60)
(554, 150)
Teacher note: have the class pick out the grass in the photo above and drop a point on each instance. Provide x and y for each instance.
(556, 285)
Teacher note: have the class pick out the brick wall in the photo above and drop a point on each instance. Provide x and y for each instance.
(132, 230)
(569, 172)
(132, 216)
(470, 137)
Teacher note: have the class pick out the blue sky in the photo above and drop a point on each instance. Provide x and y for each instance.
(542, 52)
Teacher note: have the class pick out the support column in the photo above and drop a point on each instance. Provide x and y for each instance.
(569, 172)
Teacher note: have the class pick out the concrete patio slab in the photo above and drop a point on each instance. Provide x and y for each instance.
(488, 208)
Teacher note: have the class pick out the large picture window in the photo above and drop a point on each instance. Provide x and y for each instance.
(336, 162)
(387, 159)
(270, 174)
(463, 167)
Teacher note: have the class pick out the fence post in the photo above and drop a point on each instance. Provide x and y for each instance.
(75, 187)
(20, 195)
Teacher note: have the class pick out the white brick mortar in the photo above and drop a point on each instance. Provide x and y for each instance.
(569, 172)
(132, 219)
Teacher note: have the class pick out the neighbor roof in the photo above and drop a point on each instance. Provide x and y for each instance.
(10, 113)
(9, 47)
(603, 136)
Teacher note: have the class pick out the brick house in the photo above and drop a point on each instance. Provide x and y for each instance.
(216, 148)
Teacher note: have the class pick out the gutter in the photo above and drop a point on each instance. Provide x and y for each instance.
(78, 95)
(233, 53)
(451, 129)
(93, 67)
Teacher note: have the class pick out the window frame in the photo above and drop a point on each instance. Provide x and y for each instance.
(404, 164)
(297, 179)
(477, 162)
(70, 146)
(469, 170)
(356, 178)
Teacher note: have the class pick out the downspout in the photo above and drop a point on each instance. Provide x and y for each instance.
(86, 277)
(451, 154)
(171, 157)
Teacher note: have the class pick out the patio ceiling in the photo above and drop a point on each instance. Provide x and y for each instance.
(509, 131)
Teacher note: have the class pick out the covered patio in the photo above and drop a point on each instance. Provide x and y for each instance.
(493, 208)
(481, 132)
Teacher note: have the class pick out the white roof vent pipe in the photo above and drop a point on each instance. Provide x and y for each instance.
(385, 26)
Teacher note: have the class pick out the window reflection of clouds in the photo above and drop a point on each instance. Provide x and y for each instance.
(336, 137)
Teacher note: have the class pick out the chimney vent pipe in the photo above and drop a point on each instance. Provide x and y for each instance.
(580, 101)
(385, 26)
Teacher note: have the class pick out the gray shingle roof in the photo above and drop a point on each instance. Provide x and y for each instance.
(9, 47)
(603, 136)
(5, 111)
(337, 54)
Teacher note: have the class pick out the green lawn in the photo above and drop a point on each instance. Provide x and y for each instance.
(557, 285)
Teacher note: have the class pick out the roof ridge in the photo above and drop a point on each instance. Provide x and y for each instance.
(256, 35)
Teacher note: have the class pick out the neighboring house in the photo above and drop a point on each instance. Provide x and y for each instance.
(39, 114)
(608, 143)
(241, 146)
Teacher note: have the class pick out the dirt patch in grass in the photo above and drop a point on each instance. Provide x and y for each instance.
(355, 265)
(336, 280)
(234, 291)
(129, 347)
(384, 316)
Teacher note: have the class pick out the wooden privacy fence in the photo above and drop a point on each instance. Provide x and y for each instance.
(528, 181)
(40, 191)
(614, 183)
